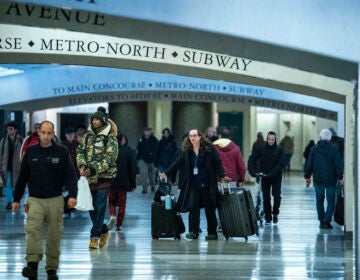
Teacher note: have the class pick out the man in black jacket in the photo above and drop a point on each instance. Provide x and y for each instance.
(145, 154)
(46, 168)
(269, 160)
(325, 165)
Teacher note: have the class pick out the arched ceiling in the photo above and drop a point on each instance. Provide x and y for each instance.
(191, 52)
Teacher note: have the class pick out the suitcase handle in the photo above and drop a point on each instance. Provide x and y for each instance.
(224, 188)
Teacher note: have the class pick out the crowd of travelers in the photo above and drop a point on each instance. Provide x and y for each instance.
(45, 165)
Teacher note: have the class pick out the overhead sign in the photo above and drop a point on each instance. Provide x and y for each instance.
(45, 41)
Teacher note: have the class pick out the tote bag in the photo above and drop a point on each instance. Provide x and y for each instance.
(84, 198)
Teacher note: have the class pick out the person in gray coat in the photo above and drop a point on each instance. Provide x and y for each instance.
(324, 164)
(10, 147)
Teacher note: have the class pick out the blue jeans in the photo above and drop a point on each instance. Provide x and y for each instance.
(9, 187)
(97, 215)
(321, 191)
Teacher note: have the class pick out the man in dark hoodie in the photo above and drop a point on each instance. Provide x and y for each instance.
(231, 157)
(269, 160)
(325, 165)
(145, 155)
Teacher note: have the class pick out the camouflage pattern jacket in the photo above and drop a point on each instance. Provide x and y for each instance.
(98, 152)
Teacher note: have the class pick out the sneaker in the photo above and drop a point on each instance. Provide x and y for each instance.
(275, 219)
(94, 243)
(118, 229)
(327, 225)
(211, 237)
(191, 235)
(111, 223)
(103, 238)
(30, 271)
(51, 275)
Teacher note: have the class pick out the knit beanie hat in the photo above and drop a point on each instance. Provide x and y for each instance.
(101, 115)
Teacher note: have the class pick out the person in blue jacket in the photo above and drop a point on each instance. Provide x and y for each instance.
(324, 163)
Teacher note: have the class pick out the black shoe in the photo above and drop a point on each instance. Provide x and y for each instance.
(211, 237)
(8, 206)
(321, 225)
(327, 225)
(192, 235)
(51, 275)
(30, 271)
(275, 219)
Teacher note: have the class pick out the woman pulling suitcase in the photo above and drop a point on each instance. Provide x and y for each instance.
(199, 167)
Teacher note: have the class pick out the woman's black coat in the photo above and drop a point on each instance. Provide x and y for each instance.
(214, 168)
(126, 170)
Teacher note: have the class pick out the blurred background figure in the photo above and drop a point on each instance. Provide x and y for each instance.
(10, 147)
(211, 134)
(71, 143)
(145, 154)
(258, 142)
(31, 139)
(287, 143)
(125, 181)
(307, 150)
(166, 152)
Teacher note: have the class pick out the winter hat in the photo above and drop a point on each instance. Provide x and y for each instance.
(101, 115)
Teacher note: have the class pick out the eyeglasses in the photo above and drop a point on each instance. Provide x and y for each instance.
(193, 135)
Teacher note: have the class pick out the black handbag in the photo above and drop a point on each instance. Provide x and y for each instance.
(339, 209)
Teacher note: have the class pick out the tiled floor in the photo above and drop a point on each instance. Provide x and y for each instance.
(295, 248)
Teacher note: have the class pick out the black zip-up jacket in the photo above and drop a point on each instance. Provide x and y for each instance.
(268, 160)
(325, 164)
(47, 171)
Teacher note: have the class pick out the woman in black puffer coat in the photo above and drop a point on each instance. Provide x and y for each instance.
(124, 182)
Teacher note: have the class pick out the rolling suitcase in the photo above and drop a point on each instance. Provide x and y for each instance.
(237, 213)
(165, 223)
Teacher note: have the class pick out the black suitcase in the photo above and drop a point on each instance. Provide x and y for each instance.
(237, 214)
(165, 223)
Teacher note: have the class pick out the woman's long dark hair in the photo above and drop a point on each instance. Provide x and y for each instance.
(204, 142)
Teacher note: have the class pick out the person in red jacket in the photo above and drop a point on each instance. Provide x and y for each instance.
(231, 157)
(30, 140)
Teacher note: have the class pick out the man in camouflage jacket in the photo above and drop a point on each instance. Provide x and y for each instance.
(96, 159)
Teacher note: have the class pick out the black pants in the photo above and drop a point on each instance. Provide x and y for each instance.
(199, 198)
(273, 185)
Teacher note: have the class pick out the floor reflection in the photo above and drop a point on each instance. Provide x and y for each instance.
(295, 248)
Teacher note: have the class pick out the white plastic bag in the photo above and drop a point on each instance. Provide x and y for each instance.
(84, 198)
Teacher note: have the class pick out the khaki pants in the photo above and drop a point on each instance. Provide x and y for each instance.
(49, 212)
